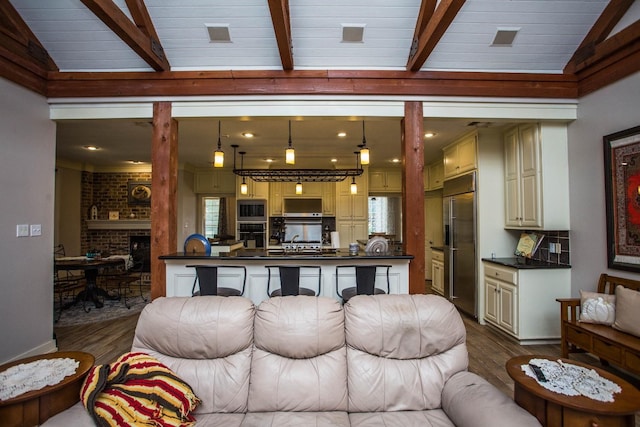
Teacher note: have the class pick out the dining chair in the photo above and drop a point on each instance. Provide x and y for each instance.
(290, 280)
(65, 282)
(121, 277)
(208, 277)
(365, 280)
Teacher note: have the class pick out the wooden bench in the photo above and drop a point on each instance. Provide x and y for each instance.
(603, 341)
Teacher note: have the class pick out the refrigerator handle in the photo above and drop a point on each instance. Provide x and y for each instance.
(446, 235)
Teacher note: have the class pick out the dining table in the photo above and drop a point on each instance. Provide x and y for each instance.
(91, 268)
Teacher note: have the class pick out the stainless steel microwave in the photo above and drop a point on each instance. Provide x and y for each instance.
(251, 210)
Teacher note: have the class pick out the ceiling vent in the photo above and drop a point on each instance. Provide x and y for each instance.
(505, 36)
(352, 33)
(218, 33)
(479, 124)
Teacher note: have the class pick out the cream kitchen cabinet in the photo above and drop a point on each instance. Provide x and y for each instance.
(385, 181)
(255, 190)
(352, 231)
(328, 199)
(215, 181)
(352, 218)
(435, 176)
(437, 271)
(536, 196)
(309, 189)
(522, 302)
(460, 156)
(275, 199)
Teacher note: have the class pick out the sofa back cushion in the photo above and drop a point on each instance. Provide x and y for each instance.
(206, 341)
(401, 349)
(299, 357)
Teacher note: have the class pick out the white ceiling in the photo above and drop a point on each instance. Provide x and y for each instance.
(549, 32)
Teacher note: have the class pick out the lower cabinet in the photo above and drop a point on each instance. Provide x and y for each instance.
(437, 271)
(522, 302)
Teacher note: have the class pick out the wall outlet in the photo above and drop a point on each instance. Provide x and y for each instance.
(552, 248)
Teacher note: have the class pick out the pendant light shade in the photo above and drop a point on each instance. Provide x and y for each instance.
(290, 154)
(244, 189)
(354, 186)
(298, 187)
(364, 151)
(218, 155)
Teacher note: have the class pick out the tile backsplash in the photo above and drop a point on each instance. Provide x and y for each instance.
(561, 240)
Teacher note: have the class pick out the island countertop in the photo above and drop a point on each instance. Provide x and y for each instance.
(250, 255)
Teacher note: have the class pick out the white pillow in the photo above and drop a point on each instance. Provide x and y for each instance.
(597, 308)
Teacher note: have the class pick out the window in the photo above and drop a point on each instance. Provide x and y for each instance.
(385, 215)
(210, 216)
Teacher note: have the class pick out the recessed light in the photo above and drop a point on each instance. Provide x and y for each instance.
(429, 135)
(135, 162)
(334, 160)
(91, 147)
(248, 134)
(395, 160)
(269, 160)
(342, 134)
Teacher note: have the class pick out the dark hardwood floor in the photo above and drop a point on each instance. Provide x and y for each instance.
(488, 349)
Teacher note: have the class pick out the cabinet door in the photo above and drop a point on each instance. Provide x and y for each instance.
(377, 181)
(360, 207)
(508, 307)
(394, 181)
(275, 199)
(436, 175)
(530, 176)
(467, 154)
(328, 199)
(450, 161)
(491, 300)
(512, 178)
(437, 274)
(343, 207)
(360, 231)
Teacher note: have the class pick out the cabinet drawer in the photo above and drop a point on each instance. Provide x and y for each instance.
(607, 351)
(509, 276)
(632, 362)
(437, 255)
(581, 339)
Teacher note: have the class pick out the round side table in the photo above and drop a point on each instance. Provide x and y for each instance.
(35, 407)
(555, 409)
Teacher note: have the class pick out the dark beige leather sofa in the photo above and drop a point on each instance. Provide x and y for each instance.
(384, 360)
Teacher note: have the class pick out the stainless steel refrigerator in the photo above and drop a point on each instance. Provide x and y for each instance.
(459, 220)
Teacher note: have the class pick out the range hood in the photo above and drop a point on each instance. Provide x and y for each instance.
(303, 208)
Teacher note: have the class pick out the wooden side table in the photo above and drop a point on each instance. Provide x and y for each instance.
(558, 410)
(35, 407)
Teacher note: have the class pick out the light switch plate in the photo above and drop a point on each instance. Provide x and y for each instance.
(36, 229)
(22, 230)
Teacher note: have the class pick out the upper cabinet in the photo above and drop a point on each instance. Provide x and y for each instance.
(275, 199)
(215, 181)
(385, 181)
(434, 176)
(255, 190)
(309, 189)
(536, 198)
(460, 157)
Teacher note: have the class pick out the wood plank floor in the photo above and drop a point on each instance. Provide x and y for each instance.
(488, 349)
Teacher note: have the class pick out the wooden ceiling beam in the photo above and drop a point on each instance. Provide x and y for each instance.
(626, 42)
(282, 26)
(444, 14)
(427, 8)
(611, 15)
(398, 83)
(23, 59)
(139, 36)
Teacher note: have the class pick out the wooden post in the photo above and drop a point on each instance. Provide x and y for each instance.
(413, 193)
(164, 185)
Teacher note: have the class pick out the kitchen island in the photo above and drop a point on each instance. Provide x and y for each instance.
(180, 278)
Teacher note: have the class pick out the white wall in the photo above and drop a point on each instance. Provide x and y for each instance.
(27, 191)
(611, 109)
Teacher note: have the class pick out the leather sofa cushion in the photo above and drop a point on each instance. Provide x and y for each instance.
(299, 357)
(296, 419)
(431, 418)
(207, 341)
(401, 350)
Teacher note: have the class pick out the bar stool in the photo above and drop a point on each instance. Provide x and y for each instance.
(365, 281)
(207, 278)
(290, 280)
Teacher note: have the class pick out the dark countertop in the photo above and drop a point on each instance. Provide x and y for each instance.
(522, 263)
(262, 254)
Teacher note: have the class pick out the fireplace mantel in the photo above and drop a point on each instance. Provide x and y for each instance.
(120, 224)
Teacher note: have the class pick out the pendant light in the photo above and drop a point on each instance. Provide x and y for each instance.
(364, 151)
(290, 154)
(218, 155)
(244, 189)
(354, 187)
(298, 187)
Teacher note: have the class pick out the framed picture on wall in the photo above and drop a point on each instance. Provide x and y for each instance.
(139, 193)
(622, 189)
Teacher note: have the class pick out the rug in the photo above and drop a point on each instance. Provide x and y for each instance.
(75, 315)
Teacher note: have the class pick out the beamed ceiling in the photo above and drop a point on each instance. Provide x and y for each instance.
(161, 49)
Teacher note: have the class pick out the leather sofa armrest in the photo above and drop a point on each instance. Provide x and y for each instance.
(471, 401)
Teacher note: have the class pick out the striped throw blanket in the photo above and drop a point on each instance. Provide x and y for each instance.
(138, 390)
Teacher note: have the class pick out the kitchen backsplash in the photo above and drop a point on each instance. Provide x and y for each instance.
(560, 239)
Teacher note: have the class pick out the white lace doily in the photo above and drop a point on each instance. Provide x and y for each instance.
(35, 375)
(573, 380)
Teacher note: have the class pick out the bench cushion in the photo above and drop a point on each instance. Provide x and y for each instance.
(628, 311)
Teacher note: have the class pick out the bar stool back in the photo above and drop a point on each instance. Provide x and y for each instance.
(207, 278)
(365, 281)
(290, 280)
